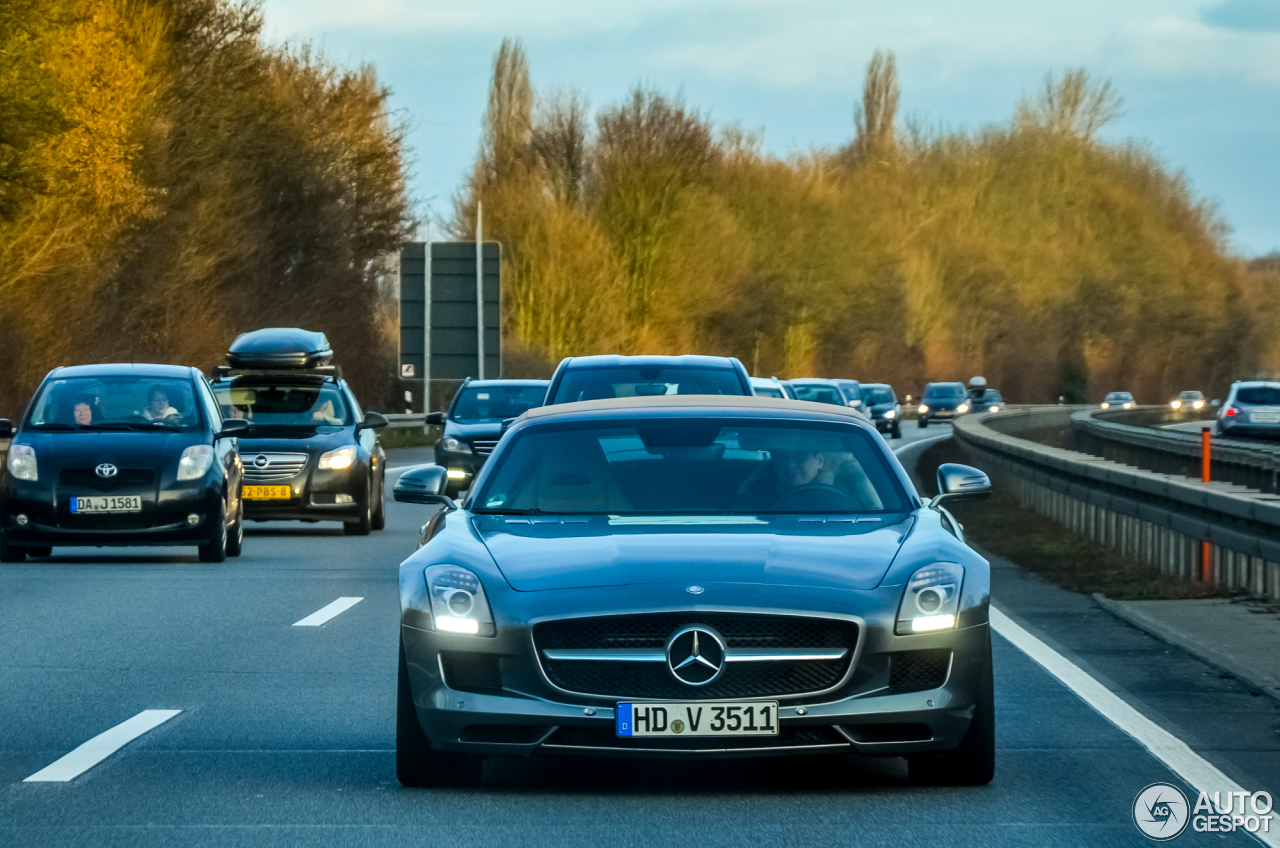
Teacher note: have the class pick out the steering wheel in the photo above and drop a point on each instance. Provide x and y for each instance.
(818, 497)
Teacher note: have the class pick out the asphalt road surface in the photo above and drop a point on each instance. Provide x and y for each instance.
(285, 733)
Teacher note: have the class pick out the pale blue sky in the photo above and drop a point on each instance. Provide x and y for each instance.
(1201, 80)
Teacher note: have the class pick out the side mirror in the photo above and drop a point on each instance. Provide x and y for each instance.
(6, 428)
(374, 421)
(423, 484)
(958, 483)
(436, 418)
(233, 427)
(1215, 403)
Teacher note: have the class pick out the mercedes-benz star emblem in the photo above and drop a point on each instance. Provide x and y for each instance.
(260, 461)
(106, 470)
(696, 655)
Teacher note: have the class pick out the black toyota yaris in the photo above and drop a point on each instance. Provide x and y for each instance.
(122, 455)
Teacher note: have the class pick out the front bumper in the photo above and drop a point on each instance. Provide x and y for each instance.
(528, 716)
(314, 497)
(163, 520)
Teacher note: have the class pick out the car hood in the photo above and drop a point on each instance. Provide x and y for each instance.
(536, 554)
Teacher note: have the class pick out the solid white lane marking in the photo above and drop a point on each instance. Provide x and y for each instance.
(1162, 744)
(100, 747)
(927, 441)
(325, 613)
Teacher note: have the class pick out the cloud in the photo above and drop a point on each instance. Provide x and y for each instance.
(1173, 48)
(1244, 15)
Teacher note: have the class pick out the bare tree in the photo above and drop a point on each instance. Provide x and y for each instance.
(1073, 106)
(560, 143)
(874, 116)
(508, 122)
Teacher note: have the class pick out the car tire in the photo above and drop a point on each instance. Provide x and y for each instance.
(417, 763)
(923, 422)
(215, 550)
(973, 763)
(380, 510)
(235, 538)
(11, 553)
(896, 432)
(364, 526)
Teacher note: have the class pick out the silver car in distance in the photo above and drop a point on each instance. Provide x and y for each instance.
(693, 576)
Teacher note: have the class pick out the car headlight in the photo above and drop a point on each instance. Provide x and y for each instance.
(336, 460)
(1198, 405)
(195, 462)
(1129, 404)
(452, 444)
(994, 408)
(22, 462)
(962, 408)
(1106, 405)
(1177, 404)
(923, 409)
(890, 413)
(458, 602)
(931, 600)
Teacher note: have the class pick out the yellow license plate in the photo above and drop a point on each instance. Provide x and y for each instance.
(267, 493)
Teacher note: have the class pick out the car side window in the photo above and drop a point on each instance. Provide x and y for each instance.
(211, 407)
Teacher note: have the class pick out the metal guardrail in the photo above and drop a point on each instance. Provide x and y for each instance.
(1130, 437)
(1161, 519)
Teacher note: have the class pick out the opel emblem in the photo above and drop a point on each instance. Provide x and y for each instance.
(261, 461)
(106, 470)
(696, 655)
(695, 590)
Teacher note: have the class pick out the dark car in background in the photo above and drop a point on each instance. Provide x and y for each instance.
(122, 455)
(942, 402)
(1118, 400)
(881, 403)
(310, 453)
(694, 577)
(474, 420)
(1252, 409)
(579, 378)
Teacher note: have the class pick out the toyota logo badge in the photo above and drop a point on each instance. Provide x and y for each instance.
(696, 655)
(106, 470)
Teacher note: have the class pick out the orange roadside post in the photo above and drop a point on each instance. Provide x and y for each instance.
(1206, 553)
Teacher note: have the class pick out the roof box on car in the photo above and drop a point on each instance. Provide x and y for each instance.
(280, 347)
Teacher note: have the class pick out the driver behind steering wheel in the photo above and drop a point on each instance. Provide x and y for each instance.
(793, 481)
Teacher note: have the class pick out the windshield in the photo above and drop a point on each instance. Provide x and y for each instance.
(818, 393)
(695, 466)
(116, 403)
(1265, 395)
(949, 390)
(1122, 397)
(289, 405)
(601, 383)
(876, 395)
(769, 391)
(496, 403)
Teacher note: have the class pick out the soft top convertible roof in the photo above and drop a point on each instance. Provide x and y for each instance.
(280, 347)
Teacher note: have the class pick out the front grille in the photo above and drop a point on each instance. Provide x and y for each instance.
(483, 447)
(771, 678)
(273, 467)
(605, 737)
(470, 672)
(912, 671)
(126, 478)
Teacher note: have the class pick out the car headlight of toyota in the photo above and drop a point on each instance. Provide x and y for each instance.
(195, 462)
(336, 460)
(22, 462)
(458, 601)
(931, 600)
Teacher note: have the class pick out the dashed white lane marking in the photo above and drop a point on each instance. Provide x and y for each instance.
(100, 747)
(1162, 744)
(327, 612)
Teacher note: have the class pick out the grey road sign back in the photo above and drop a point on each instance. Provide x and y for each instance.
(453, 310)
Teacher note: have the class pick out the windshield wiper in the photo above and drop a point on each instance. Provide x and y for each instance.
(53, 425)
